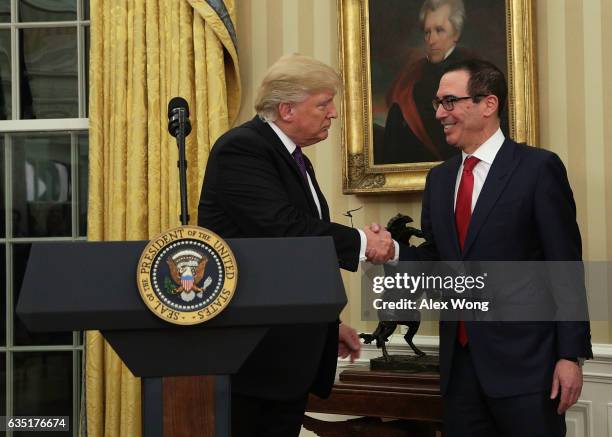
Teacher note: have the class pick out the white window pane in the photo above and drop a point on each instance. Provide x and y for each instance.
(42, 185)
(49, 79)
(47, 10)
(5, 74)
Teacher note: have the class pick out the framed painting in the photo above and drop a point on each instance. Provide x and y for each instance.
(392, 55)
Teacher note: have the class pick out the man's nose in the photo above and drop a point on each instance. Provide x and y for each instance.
(441, 112)
(333, 112)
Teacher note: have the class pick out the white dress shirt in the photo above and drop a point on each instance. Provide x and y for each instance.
(290, 145)
(486, 154)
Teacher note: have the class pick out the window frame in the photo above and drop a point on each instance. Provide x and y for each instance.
(74, 127)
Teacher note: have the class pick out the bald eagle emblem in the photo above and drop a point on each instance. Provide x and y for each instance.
(187, 269)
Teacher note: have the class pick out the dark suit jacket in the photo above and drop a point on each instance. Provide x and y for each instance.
(254, 188)
(525, 212)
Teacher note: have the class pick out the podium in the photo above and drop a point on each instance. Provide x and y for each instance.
(92, 286)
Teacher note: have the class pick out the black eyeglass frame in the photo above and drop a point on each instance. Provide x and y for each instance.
(448, 102)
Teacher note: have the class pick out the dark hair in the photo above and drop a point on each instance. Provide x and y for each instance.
(485, 79)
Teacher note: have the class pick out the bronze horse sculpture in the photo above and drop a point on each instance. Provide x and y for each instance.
(400, 231)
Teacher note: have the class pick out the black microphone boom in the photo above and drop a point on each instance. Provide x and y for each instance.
(179, 127)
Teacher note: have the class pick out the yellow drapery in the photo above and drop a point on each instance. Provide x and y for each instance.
(143, 52)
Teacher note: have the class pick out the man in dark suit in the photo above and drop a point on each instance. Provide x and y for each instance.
(259, 184)
(500, 201)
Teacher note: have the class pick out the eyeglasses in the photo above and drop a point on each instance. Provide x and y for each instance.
(448, 102)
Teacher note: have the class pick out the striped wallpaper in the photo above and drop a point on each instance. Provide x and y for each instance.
(574, 40)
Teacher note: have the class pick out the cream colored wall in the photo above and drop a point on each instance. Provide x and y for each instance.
(574, 40)
(575, 67)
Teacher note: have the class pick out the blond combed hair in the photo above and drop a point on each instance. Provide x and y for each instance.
(292, 79)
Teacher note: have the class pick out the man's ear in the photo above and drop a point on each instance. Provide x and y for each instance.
(285, 111)
(491, 104)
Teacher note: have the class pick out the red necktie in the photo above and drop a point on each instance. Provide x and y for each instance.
(463, 214)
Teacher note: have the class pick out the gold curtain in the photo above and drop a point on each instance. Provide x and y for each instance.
(144, 52)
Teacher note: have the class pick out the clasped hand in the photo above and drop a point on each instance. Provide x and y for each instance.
(380, 247)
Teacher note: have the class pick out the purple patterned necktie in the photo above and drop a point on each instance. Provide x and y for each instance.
(299, 159)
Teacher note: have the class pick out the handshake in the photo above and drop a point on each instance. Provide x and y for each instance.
(380, 246)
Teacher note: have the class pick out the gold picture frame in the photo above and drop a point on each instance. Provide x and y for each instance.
(360, 174)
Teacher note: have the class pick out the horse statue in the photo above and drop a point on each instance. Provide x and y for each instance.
(401, 232)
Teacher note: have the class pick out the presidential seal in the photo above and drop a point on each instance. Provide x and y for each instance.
(187, 275)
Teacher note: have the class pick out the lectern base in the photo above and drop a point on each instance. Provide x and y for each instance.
(189, 406)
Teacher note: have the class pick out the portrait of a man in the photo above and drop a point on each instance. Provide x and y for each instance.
(407, 61)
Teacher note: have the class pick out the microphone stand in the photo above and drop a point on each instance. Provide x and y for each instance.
(182, 165)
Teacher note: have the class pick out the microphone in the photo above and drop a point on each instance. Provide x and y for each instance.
(178, 116)
(179, 127)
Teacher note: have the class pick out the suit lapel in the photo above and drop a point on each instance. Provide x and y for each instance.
(266, 131)
(503, 165)
(448, 201)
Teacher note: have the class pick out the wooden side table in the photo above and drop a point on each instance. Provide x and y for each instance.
(413, 398)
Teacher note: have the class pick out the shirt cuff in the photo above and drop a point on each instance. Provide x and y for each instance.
(363, 246)
(393, 262)
(364, 243)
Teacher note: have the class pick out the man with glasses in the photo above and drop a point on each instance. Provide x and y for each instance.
(500, 201)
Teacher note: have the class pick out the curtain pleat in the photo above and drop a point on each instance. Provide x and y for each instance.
(143, 53)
